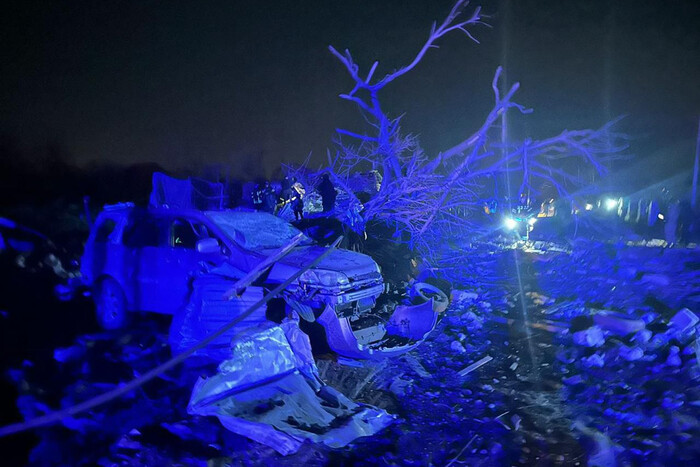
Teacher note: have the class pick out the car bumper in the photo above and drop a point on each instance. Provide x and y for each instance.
(351, 296)
(412, 323)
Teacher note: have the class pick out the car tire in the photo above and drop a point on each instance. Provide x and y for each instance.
(441, 284)
(110, 305)
(428, 291)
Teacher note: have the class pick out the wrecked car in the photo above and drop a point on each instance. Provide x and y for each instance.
(145, 259)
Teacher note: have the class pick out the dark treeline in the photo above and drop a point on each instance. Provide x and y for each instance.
(47, 175)
(44, 190)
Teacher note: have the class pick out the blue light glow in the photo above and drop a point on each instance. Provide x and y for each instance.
(610, 204)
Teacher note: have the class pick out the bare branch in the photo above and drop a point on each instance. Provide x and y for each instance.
(501, 105)
(436, 32)
(355, 135)
(432, 196)
(447, 26)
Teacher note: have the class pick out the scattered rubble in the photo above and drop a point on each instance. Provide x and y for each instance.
(588, 363)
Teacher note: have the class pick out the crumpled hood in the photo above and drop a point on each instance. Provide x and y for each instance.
(348, 262)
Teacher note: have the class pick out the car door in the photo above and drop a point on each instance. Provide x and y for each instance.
(181, 261)
(103, 253)
(144, 238)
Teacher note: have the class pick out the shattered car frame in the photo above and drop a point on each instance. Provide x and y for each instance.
(144, 259)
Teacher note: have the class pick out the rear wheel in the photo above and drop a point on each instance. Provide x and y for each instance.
(110, 304)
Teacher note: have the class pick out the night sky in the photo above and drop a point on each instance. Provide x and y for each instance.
(240, 82)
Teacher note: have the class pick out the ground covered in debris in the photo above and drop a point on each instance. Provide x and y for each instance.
(584, 355)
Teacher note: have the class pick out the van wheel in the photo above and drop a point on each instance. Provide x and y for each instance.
(110, 304)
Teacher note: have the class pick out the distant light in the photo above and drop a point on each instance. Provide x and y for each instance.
(661, 216)
(589, 207)
(532, 220)
(510, 223)
(610, 204)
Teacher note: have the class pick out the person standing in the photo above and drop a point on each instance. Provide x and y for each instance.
(269, 198)
(328, 193)
(298, 193)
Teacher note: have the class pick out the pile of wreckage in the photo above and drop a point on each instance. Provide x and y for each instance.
(249, 280)
(585, 353)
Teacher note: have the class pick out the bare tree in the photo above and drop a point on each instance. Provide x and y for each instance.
(384, 141)
(433, 195)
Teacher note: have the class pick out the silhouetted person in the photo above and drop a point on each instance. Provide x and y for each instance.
(328, 193)
(287, 192)
(298, 193)
(269, 198)
(286, 186)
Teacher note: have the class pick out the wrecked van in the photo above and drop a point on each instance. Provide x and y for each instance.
(145, 259)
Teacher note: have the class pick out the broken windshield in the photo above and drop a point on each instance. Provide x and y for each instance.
(256, 230)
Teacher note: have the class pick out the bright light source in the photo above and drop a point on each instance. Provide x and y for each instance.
(532, 221)
(661, 216)
(510, 223)
(610, 204)
(589, 207)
